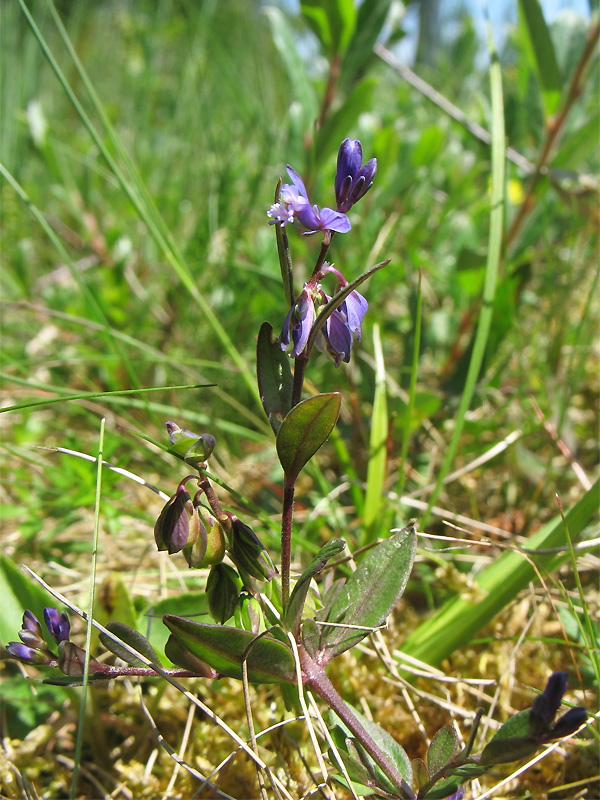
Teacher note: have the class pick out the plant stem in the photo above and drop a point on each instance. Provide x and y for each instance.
(299, 369)
(287, 516)
(316, 678)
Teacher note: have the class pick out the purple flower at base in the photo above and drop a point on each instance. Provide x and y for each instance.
(294, 205)
(30, 655)
(352, 180)
(298, 323)
(345, 324)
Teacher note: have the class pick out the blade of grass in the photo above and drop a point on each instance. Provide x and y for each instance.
(372, 520)
(459, 619)
(491, 270)
(88, 633)
(542, 48)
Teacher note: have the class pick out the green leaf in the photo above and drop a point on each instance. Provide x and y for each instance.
(182, 657)
(538, 37)
(183, 605)
(448, 786)
(71, 660)
(131, 637)
(293, 612)
(371, 592)
(389, 747)
(512, 742)
(420, 774)
(304, 430)
(275, 380)
(442, 749)
(269, 660)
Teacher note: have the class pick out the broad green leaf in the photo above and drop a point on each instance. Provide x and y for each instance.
(513, 741)
(371, 592)
(311, 637)
(269, 660)
(304, 430)
(389, 747)
(131, 637)
(376, 469)
(542, 47)
(182, 657)
(442, 749)
(184, 605)
(275, 379)
(293, 612)
(19, 592)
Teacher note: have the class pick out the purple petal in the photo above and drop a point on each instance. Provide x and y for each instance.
(30, 623)
(305, 314)
(334, 221)
(545, 706)
(284, 337)
(356, 307)
(569, 722)
(308, 217)
(348, 163)
(297, 181)
(339, 338)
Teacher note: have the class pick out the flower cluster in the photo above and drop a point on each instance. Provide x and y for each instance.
(342, 325)
(32, 649)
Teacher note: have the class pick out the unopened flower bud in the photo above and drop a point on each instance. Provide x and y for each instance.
(571, 721)
(172, 527)
(191, 446)
(248, 554)
(222, 591)
(30, 623)
(249, 615)
(30, 655)
(207, 546)
(57, 624)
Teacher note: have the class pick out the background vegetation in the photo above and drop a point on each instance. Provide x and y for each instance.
(137, 169)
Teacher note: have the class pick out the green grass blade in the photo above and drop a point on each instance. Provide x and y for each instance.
(373, 509)
(458, 620)
(491, 270)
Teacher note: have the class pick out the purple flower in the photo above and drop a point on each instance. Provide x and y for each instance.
(294, 205)
(345, 324)
(298, 323)
(352, 180)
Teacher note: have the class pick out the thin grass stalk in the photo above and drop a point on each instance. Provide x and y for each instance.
(491, 270)
(88, 632)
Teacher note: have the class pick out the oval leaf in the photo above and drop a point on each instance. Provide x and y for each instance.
(303, 431)
(442, 749)
(223, 648)
(134, 639)
(371, 592)
(275, 380)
